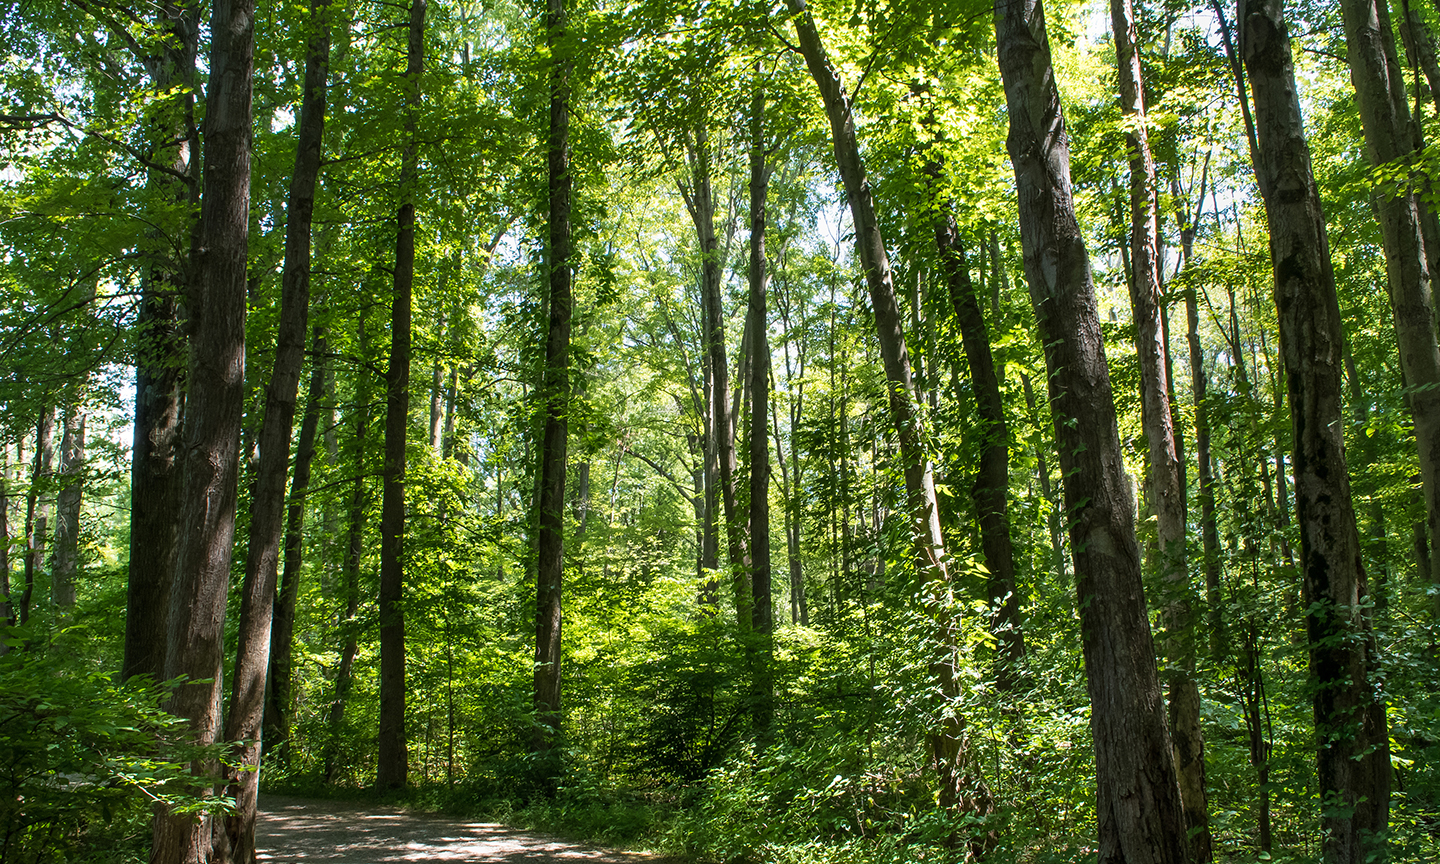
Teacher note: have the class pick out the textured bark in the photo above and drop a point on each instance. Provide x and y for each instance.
(550, 500)
(392, 766)
(37, 509)
(762, 612)
(1138, 802)
(1390, 135)
(958, 789)
(244, 726)
(278, 695)
(1167, 489)
(195, 647)
(65, 560)
(159, 367)
(1354, 756)
(992, 477)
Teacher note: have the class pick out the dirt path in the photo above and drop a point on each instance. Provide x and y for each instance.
(299, 831)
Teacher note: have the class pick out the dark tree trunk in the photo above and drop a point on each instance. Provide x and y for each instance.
(244, 728)
(1354, 754)
(550, 500)
(278, 695)
(1390, 135)
(7, 607)
(216, 402)
(159, 367)
(992, 479)
(37, 509)
(763, 614)
(392, 766)
(1140, 816)
(65, 560)
(959, 788)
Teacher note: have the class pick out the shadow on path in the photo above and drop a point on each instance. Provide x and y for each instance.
(300, 830)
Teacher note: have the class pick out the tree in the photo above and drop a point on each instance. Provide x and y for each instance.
(550, 500)
(1353, 759)
(1140, 813)
(195, 647)
(393, 756)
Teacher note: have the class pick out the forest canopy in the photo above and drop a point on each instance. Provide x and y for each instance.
(767, 431)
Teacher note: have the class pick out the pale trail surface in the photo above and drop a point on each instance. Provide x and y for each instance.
(299, 831)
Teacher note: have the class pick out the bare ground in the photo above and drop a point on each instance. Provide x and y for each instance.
(300, 830)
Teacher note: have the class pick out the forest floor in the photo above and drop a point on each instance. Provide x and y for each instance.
(302, 830)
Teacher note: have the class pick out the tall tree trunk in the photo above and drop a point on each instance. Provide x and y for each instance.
(1391, 135)
(763, 614)
(155, 478)
(1167, 491)
(65, 560)
(1139, 810)
(392, 766)
(7, 606)
(350, 571)
(700, 201)
(244, 727)
(992, 478)
(216, 400)
(959, 789)
(550, 500)
(278, 695)
(1354, 754)
(37, 510)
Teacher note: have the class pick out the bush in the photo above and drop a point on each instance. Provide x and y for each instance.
(83, 761)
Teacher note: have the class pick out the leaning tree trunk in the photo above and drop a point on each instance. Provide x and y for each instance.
(762, 610)
(65, 560)
(550, 500)
(957, 790)
(1390, 135)
(213, 414)
(160, 363)
(1140, 816)
(992, 478)
(278, 695)
(1354, 754)
(1167, 488)
(392, 766)
(244, 727)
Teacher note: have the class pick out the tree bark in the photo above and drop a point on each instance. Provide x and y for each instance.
(1390, 135)
(763, 614)
(195, 647)
(37, 509)
(550, 500)
(244, 726)
(957, 790)
(992, 477)
(1167, 490)
(1354, 755)
(392, 765)
(155, 477)
(65, 560)
(278, 695)
(1139, 810)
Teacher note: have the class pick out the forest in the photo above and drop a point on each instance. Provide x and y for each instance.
(793, 431)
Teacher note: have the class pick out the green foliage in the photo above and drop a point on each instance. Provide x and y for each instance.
(83, 761)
